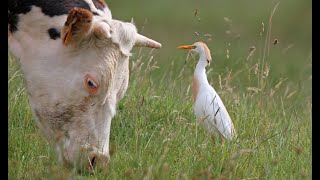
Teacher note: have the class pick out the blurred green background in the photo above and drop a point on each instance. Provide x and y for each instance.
(234, 25)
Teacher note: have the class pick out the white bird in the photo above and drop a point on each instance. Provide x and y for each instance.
(208, 107)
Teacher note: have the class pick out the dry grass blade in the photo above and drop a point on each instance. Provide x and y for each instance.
(241, 152)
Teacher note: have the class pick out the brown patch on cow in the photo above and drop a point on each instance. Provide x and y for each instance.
(78, 14)
(84, 104)
(77, 25)
(195, 88)
(59, 114)
(99, 4)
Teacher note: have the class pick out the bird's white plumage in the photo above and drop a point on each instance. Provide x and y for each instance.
(212, 114)
(208, 107)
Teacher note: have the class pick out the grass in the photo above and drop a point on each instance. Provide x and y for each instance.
(154, 134)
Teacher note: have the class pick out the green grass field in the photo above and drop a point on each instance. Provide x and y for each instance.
(266, 89)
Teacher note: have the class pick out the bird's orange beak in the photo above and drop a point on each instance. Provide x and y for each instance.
(186, 47)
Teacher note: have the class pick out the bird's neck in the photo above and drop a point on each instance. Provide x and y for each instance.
(200, 71)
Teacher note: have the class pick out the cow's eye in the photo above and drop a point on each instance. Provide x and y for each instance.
(91, 84)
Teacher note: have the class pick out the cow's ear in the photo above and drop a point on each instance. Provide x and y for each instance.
(77, 26)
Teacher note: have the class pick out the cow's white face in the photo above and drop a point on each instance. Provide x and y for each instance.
(75, 82)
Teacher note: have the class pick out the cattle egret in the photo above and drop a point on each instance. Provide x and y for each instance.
(209, 109)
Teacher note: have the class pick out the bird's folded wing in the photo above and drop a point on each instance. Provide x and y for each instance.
(219, 116)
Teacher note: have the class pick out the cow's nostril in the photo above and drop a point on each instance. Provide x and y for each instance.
(92, 162)
(96, 160)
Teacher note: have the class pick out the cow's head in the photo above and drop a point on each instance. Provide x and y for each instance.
(75, 84)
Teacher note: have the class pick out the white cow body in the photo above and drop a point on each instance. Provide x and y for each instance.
(74, 79)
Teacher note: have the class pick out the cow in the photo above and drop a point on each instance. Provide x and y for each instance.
(74, 59)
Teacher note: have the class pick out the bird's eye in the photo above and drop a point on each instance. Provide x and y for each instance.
(91, 84)
(208, 61)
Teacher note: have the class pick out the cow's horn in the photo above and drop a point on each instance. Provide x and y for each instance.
(146, 42)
